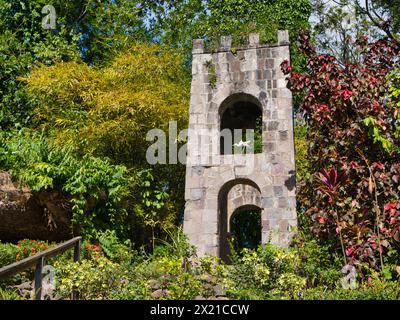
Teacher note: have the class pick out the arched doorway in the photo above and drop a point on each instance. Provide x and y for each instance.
(245, 227)
(238, 113)
(238, 203)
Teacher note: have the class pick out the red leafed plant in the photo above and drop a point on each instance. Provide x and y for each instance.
(329, 181)
(27, 248)
(352, 198)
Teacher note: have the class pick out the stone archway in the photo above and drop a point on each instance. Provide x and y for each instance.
(245, 227)
(242, 197)
(233, 195)
(240, 113)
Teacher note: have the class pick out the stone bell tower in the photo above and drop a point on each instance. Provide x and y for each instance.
(230, 89)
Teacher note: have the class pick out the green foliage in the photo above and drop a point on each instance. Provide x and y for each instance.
(376, 290)
(376, 131)
(9, 295)
(394, 90)
(301, 146)
(109, 111)
(113, 249)
(106, 113)
(214, 18)
(176, 245)
(14, 107)
(318, 265)
(92, 279)
(166, 267)
(351, 195)
(23, 42)
(179, 284)
(258, 142)
(105, 27)
(28, 248)
(8, 254)
(173, 271)
(153, 199)
(88, 28)
(176, 24)
(94, 184)
(267, 272)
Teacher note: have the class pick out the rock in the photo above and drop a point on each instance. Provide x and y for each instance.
(208, 287)
(194, 262)
(24, 214)
(222, 298)
(25, 289)
(48, 284)
(199, 298)
(25, 286)
(154, 284)
(157, 294)
(209, 278)
(219, 290)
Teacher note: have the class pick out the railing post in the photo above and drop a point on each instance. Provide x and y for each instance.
(38, 279)
(77, 257)
(77, 251)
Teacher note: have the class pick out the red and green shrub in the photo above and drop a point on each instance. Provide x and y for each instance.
(28, 248)
(352, 198)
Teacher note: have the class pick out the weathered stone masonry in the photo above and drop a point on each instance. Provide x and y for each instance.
(248, 75)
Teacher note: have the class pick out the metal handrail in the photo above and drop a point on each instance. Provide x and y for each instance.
(38, 261)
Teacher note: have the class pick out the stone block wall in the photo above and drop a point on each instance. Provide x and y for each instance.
(221, 78)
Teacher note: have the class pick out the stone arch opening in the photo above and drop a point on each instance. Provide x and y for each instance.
(250, 200)
(245, 227)
(240, 120)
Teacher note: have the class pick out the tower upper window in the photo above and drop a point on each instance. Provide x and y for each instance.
(241, 125)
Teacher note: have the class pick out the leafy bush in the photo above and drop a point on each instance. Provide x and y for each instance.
(9, 295)
(301, 144)
(351, 198)
(115, 250)
(318, 265)
(172, 272)
(106, 113)
(112, 270)
(169, 265)
(266, 272)
(377, 290)
(94, 279)
(92, 182)
(28, 248)
(8, 254)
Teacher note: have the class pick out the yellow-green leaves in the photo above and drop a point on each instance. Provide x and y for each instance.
(377, 132)
(112, 108)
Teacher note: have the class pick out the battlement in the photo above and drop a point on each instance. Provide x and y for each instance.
(225, 43)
